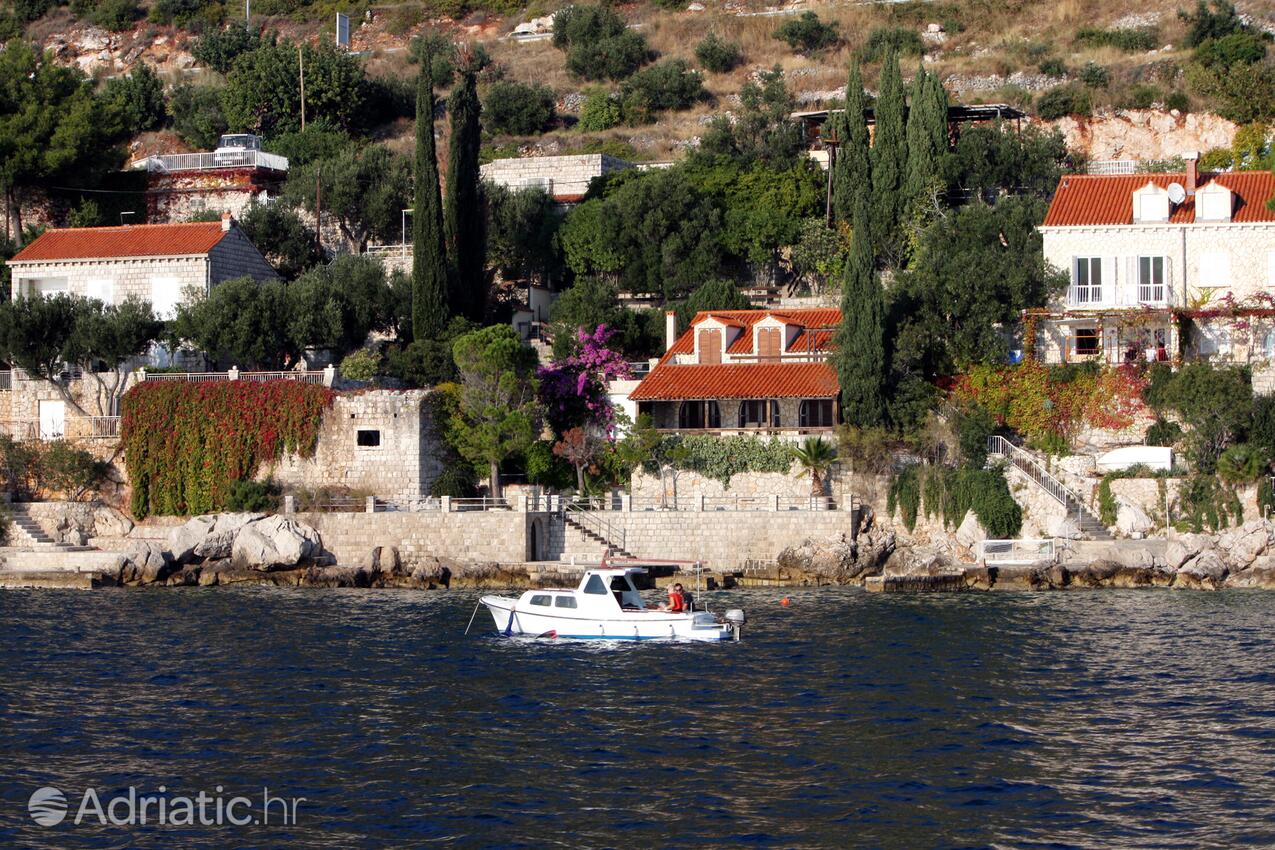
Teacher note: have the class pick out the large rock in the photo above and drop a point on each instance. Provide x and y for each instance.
(1205, 571)
(183, 539)
(971, 531)
(1065, 528)
(1131, 518)
(108, 522)
(1242, 545)
(145, 562)
(217, 543)
(274, 542)
(1261, 574)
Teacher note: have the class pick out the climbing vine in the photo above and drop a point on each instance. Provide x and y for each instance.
(718, 458)
(951, 493)
(185, 444)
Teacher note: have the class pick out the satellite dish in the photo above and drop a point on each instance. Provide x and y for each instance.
(1176, 193)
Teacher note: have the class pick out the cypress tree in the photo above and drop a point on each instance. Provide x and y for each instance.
(927, 133)
(889, 156)
(429, 254)
(860, 351)
(463, 214)
(852, 177)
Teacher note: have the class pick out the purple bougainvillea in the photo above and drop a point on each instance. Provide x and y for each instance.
(574, 389)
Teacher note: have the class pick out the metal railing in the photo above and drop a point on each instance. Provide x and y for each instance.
(806, 503)
(480, 503)
(6, 380)
(326, 377)
(1031, 467)
(1113, 166)
(1016, 551)
(103, 427)
(211, 161)
(578, 515)
(738, 503)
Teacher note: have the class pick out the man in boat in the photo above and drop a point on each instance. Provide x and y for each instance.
(676, 602)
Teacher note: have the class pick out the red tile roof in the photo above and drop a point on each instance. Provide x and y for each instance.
(739, 380)
(137, 240)
(808, 318)
(1084, 199)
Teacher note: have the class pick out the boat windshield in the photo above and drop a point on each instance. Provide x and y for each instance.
(625, 593)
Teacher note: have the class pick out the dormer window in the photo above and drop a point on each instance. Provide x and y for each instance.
(770, 344)
(710, 346)
(1150, 204)
(1213, 202)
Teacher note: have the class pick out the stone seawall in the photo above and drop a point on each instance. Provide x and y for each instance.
(465, 536)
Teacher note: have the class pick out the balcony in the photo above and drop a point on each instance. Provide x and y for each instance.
(163, 163)
(1125, 296)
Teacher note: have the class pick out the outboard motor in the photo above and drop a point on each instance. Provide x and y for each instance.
(735, 619)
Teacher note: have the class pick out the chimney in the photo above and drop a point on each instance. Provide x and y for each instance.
(226, 220)
(1192, 172)
(670, 329)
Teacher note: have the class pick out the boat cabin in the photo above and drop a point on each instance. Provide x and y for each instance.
(600, 590)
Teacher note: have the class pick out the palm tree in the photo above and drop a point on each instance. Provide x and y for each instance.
(816, 455)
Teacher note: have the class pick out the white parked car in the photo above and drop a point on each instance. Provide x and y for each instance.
(237, 149)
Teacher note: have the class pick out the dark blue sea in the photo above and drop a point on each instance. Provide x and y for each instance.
(1113, 719)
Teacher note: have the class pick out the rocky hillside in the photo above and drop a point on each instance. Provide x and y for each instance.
(1126, 66)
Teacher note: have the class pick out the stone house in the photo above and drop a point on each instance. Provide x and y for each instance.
(745, 372)
(158, 263)
(1160, 266)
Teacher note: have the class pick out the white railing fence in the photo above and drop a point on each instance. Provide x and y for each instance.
(1113, 166)
(211, 161)
(1031, 467)
(1016, 551)
(326, 377)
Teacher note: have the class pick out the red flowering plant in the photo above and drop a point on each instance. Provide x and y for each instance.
(186, 443)
(574, 389)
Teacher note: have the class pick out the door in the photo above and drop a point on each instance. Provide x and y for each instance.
(52, 420)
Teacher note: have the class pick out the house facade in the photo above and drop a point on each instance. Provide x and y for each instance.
(745, 372)
(1160, 267)
(565, 178)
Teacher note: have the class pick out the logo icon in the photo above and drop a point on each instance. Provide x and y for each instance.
(47, 806)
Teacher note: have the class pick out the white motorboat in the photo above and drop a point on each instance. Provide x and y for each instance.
(605, 606)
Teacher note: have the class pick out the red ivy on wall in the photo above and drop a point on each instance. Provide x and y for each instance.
(186, 443)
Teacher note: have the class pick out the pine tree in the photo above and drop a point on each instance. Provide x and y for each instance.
(429, 254)
(860, 350)
(927, 134)
(889, 157)
(852, 177)
(463, 215)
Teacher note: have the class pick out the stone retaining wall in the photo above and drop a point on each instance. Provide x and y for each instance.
(467, 536)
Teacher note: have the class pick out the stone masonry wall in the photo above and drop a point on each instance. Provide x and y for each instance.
(400, 468)
(648, 488)
(469, 536)
(115, 280)
(561, 176)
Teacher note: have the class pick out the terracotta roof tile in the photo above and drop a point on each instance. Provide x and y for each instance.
(138, 240)
(821, 317)
(738, 380)
(1086, 200)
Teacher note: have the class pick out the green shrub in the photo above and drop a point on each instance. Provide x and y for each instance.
(1128, 40)
(1242, 464)
(905, 495)
(1061, 101)
(1217, 159)
(1206, 504)
(1142, 97)
(1265, 496)
(721, 458)
(1163, 433)
(718, 55)
(1107, 507)
(807, 34)
(250, 496)
(598, 43)
(31, 10)
(197, 115)
(1240, 48)
(1204, 23)
(219, 49)
(600, 111)
(113, 15)
(70, 471)
(137, 99)
(1178, 100)
(1053, 68)
(951, 493)
(517, 109)
(1095, 76)
(905, 41)
(666, 86)
(361, 365)
(973, 428)
(19, 466)
(456, 480)
(184, 13)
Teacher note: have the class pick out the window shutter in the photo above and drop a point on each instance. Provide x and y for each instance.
(710, 346)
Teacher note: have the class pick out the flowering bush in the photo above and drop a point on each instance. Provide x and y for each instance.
(1048, 406)
(185, 444)
(574, 389)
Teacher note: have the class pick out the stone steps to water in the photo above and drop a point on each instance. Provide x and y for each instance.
(593, 536)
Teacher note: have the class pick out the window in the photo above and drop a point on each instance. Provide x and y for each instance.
(1215, 269)
(103, 289)
(1086, 281)
(710, 346)
(1215, 339)
(564, 602)
(540, 600)
(769, 344)
(1150, 280)
(1087, 342)
(694, 415)
(368, 438)
(594, 585)
(165, 293)
(758, 413)
(816, 413)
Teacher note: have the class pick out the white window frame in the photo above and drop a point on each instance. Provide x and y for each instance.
(1152, 282)
(166, 309)
(1088, 292)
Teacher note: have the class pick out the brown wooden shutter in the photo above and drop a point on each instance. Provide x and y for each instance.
(710, 346)
(768, 344)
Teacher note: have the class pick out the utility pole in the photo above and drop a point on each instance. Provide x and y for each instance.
(318, 208)
(301, 65)
(831, 144)
(247, 15)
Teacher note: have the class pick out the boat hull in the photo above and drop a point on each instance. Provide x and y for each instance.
(509, 619)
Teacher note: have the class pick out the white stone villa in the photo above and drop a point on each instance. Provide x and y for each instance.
(154, 262)
(746, 372)
(1161, 265)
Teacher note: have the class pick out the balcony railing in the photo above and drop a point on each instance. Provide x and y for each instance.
(326, 376)
(211, 161)
(72, 428)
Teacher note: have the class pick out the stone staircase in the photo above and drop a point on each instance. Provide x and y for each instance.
(1090, 526)
(26, 533)
(591, 541)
